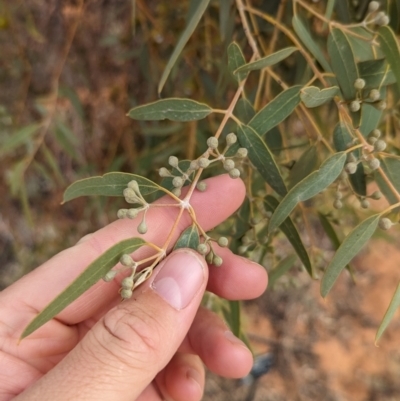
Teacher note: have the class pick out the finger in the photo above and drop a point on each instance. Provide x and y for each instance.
(132, 343)
(222, 352)
(34, 291)
(183, 379)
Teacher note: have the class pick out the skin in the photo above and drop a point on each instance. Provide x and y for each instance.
(140, 349)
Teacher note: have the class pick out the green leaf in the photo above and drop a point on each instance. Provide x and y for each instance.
(193, 21)
(360, 41)
(276, 110)
(391, 50)
(308, 188)
(234, 321)
(349, 248)
(394, 304)
(291, 233)
(391, 168)
(173, 109)
(302, 31)
(314, 97)
(306, 164)
(18, 138)
(244, 110)
(110, 184)
(343, 62)
(189, 238)
(236, 60)
(370, 118)
(280, 269)
(341, 139)
(90, 276)
(267, 61)
(261, 157)
(376, 73)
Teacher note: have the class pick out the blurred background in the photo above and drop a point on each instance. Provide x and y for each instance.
(69, 72)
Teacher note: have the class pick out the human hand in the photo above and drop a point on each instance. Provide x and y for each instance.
(150, 347)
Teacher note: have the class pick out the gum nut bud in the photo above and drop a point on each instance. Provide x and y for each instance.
(374, 164)
(338, 195)
(126, 260)
(376, 133)
(355, 106)
(376, 195)
(202, 249)
(223, 241)
(164, 172)
(385, 223)
(381, 105)
(129, 193)
(173, 161)
(122, 213)
(241, 153)
(132, 213)
(177, 182)
(203, 162)
(177, 191)
(127, 283)
(142, 227)
(359, 83)
(194, 165)
(231, 139)
(217, 260)
(234, 173)
(374, 95)
(134, 185)
(384, 20)
(126, 293)
(229, 164)
(201, 186)
(379, 145)
(337, 204)
(212, 142)
(373, 6)
(371, 140)
(110, 276)
(365, 203)
(351, 158)
(209, 257)
(350, 168)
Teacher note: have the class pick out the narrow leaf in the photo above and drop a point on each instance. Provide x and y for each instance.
(370, 118)
(244, 110)
(343, 62)
(308, 188)
(236, 60)
(280, 269)
(189, 238)
(192, 23)
(306, 164)
(276, 110)
(391, 168)
(267, 61)
(90, 276)
(173, 109)
(291, 233)
(305, 36)
(235, 325)
(349, 248)
(110, 184)
(312, 96)
(261, 157)
(391, 50)
(394, 304)
(376, 73)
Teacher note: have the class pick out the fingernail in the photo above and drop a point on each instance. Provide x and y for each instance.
(179, 278)
(233, 339)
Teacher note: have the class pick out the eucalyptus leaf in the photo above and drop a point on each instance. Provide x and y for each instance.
(391, 310)
(261, 157)
(370, 118)
(390, 47)
(343, 62)
(349, 248)
(236, 60)
(291, 233)
(307, 163)
(195, 16)
(244, 110)
(90, 276)
(312, 96)
(234, 320)
(376, 73)
(280, 269)
(110, 184)
(173, 109)
(391, 168)
(189, 238)
(267, 61)
(308, 188)
(277, 110)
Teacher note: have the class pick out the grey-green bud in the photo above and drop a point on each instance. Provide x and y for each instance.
(337, 204)
(173, 161)
(374, 164)
(132, 213)
(223, 241)
(212, 142)
(127, 283)
(122, 213)
(385, 223)
(177, 182)
(241, 153)
(126, 260)
(351, 167)
(355, 106)
(371, 140)
(231, 139)
(338, 195)
(365, 203)
(177, 191)
(376, 195)
(126, 293)
(234, 173)
(381, 105)
(164, 172)
(142, 227)
(201, 186)
(359, 83)
(229, 164)
(134, 185)
(373, 6)
(217, 260)
(374, 95)
(376, 133)
(110, 276)
(203, 162)
(379, 145)
(202, 249)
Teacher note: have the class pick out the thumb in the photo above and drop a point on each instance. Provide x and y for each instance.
(123, 352)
